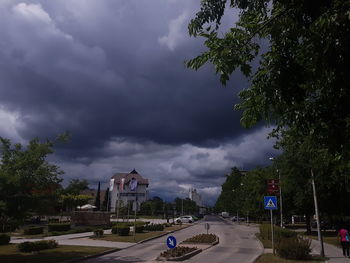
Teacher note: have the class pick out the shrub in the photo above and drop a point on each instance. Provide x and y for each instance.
(121, 230)
(177, 252)
(202, 238)
(294, 248)
(279, 233)
(34, 230)
(139, 228)
(59, 227)
(98, 232)
(37, 245)
(154, 227)
(9, 227)
(4, 239)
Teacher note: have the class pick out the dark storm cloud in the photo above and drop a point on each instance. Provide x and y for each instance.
(112, 73)
(118, 82)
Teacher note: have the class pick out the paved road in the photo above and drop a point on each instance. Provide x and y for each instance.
(237, 244)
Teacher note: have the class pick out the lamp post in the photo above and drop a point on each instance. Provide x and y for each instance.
(280, 189)
(237, 203)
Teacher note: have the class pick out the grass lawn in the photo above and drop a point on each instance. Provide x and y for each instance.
(129, 238)
(10, 254)
(269, 258)
(139, 236)
(329, 237)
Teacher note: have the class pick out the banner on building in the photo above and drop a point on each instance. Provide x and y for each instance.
(121, 185)
(111, 184)
(133, 184)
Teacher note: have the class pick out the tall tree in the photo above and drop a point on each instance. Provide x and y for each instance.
(303, 77)
(106, 204)
(27, 180)
(97, 199)
(75, 186)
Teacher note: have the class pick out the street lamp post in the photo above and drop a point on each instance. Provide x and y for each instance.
(280, 190)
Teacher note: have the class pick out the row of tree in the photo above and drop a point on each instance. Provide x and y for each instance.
(300, 85)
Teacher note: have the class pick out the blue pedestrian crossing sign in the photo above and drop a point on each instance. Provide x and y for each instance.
(270, 202)
(171, 242)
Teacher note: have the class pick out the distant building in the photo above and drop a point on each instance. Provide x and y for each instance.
(93, 193)
(123, 194)
(196, 197)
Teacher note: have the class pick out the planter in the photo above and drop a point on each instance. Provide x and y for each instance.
(182, 257)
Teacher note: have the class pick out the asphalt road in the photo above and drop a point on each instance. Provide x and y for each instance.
(237, 244)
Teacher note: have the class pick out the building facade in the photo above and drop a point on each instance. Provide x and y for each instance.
(195, 196)
(123, 193)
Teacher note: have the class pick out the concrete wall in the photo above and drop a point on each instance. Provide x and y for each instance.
(90, 218)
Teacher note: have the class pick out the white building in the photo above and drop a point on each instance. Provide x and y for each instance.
(123, 194)
(196, 197)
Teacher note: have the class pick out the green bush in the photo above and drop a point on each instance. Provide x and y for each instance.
(34, 230)
(9, 227)
(154, 227)
(294, 248)
(279, 233)
(4, 239)
(139, 228)
(37, 245)
(98, 232)
(201, 238)
(59, 227)
(130, 223)
(121, 230)
(177, 252)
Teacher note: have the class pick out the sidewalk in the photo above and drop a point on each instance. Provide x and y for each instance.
(79, 239)
(334, 253)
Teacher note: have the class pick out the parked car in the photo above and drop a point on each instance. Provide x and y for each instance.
(184, 219)
(234, 219)
(225, 214)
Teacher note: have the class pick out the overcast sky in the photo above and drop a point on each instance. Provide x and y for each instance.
(112, 73)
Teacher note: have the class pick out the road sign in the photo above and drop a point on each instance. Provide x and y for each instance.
(270, 202)
(171, 242)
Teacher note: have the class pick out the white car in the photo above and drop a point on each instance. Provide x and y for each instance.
(184, 219)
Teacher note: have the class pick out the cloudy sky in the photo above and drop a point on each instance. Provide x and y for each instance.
(111, 72)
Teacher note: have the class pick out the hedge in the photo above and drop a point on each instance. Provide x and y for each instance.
(154, 227)
(98, 232)
(279, 233)
(139, 228)
(37, 245)
(121, 230)
(4, 239)
(34, 230)
(58, 227)
(294, 248)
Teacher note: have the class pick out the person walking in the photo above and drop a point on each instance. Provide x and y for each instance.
(344, 240)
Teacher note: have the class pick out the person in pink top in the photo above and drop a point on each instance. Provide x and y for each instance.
(344, 240)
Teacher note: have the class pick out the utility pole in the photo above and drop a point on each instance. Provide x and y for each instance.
(317, 214)
(280, 190)
(280, 186)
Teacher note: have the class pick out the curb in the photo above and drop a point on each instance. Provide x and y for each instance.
(181, 258)
(92, 256)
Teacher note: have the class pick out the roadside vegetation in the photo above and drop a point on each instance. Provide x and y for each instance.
(10, 253)
(289, 246)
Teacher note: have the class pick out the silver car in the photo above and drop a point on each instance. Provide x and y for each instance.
(184, 219)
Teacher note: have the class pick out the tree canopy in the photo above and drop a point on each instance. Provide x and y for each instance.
(302, 81)
(28, 182)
